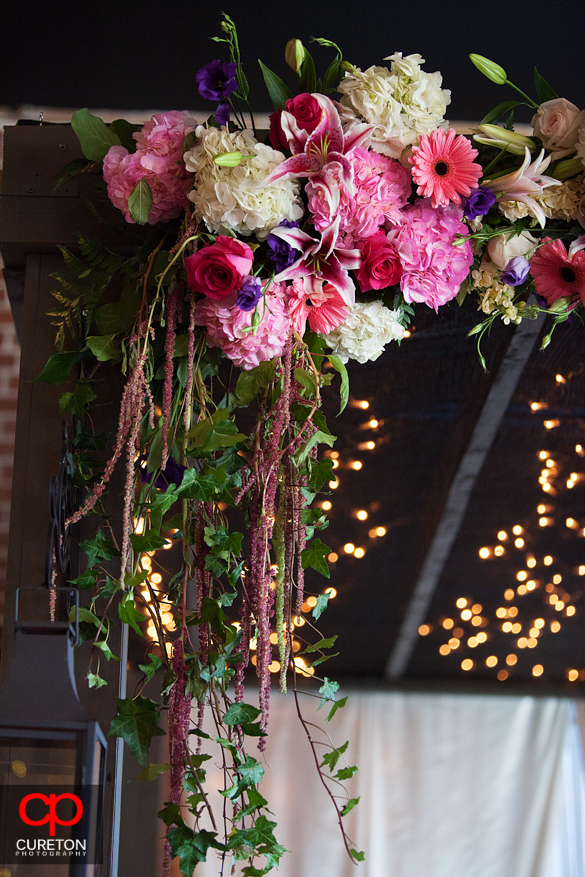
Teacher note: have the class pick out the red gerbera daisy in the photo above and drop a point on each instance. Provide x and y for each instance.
(557, 274)
(443, 167)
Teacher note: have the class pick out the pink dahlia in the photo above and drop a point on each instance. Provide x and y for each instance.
(381, 188)
(443, 166)
(158, 159)
(229, 328)
(557, 273)
(320, 303)
(434, 267)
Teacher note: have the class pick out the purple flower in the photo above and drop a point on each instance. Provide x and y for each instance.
(516, 271)
(222, 113)
(478, 203)
(281, 252)
(173, 473)
(217, 79)
(249, 294)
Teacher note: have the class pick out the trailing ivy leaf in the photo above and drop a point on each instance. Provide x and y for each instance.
(77, 401)
(314, 557)
(58, 367)
(129, 614)
(210, 612)
(331, 758)
(358, 855)
(196, 486)
(201, 430)
(322, 659)
(251, 771)
(225, 435)
(279, 92)
(111, 319)
(344, 389)
(251, 382)
(137, 724)
(349, 806)
(171, 814)
(322, 644)
(321, 604)
(140, 202)
(328, 691)
(306, 379)
(240, 713)
(148, 541)
(339, 704)
(252, 729)
(318, 437)
(124, 131)
(152, 771)
(94, 136)
(320, 472)
(84, 614)
(86, 580)
(103, 348)
(99, 549)
(543, 89)
(95, 681)
(150, 669)
(346, 773)
(105, 650)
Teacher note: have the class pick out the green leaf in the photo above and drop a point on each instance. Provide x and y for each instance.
(328, 691)
(191, 848)
(321, 604)
(99, 548)
(279, 92)
(318, 437)
(331, 77)
(103, 646)
(86, 580)
(349, 806)
(148, 541)
(93, 134)
(499, 111)
(124, 130)
(339, 366)
(314, 557)
(71, 169)
(308, 79)
(251, 382)
(346, 773)
(77, 401)
(543, 89)
(129, 614)
(140, 202)
(251, 771)
(137, 724)
(103, 348)
(150, 669)
(152, 771)
(196, 486)
(331, 758)
(320, 472)
(358, 855)
(58, 367)
(463, 290)
(240, 713)
(307, 380)
(95, 681)
(85, 614)
(339, 704)
(112, 319)
(322, 644)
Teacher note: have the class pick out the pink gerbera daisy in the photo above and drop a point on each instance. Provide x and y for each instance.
(557, 273)
(443, 167)
(320, 302)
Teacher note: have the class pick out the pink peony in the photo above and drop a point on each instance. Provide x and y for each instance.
(433, 267)
(381, 188)
(380, 266)
(218, 270)
(229, 328)
(158, 159)
(319, 302)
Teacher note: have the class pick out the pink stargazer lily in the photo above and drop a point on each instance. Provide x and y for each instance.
(320, 259)
(524, 184)
(326, 143)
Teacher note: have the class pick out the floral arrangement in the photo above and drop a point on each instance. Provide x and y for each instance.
(270, 261)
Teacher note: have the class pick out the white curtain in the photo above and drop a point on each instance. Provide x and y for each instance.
(450, 786)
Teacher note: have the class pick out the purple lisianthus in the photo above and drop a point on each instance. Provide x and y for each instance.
(281, 253)
(478, 203)
(223, 113)
(249, 294)
(516, 271)
(217, 79)
(173, 474)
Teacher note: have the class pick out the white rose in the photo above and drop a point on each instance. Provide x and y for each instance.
(556, 123)
(505, 247)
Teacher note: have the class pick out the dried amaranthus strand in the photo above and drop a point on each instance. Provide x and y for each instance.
(171, 324)
(178, 732)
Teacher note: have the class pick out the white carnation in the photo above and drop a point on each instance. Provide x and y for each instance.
(365, 332)
(229, 197)
(402, 102)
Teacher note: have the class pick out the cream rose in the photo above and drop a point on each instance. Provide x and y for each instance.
(557, 122)
(505, 247)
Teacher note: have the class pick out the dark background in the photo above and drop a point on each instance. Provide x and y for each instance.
(144, 55)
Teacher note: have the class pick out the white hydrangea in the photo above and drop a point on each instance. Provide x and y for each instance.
(365, 332)
(230, 197)
(557, 202)
(402, 102)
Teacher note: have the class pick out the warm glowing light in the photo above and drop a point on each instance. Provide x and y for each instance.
(513, 611)
(531, 585)
(359, 552)
(521, 589)
(581, 570)
(553, 599)
(545, 522)
(550, 464)
(539, 623)
(579, 450)
(532, 642)
(155, 578)
(551, 424)
(560, 379)
(548, 560)
(334, 485)
(453, 643)
(538, 406)
(254, 643)
(444, 650)
(511, 660)
(502, 535)
(361, 515)
(467, 664)
(458, 631)
(335, 464)
(519, 543)
(167, 618)
(380, 531)
(471, 642)
(502, 675)
(509, 594)
(555, 626)
(521, 575)
(534, 632)
(557, 579)
(516, 627)
(537, 670)
(501, 612)
(146, 561)
(499, 550)
(541, 509)
(507, 626)
(373, 423)
(139, 529)
(570, 484)
(491, 661)
(254, 660)
(477, 621)
(572, 675)
(298, 621)
(274, 666)
(572, 523)
(363, 404)
(332, 592)
(481, 637)
(476, 608)
(484, 552)
(522, 642)
(543, 455)
(349, 548)
(530, 562)
(370, 445)
(547, 488)
(424, 630)
(312, 601)
(326, 505)
(448, 623)
(517, 530)
(357, 465)
(466, 615)
(559, 605)
(407, 333)
(461, 603)
(333, 557)
(333, 454)
(273, 638)
(570, 610)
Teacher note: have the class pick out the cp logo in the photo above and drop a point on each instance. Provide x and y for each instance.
(51, 817)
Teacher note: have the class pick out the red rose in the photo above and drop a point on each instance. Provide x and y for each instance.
(380, 264)
(218, 270)
(305, 110)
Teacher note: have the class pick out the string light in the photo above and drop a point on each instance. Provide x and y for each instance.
(537, 670)
(467, 664)
(560, 379)
(359, 552)
(499, 550)
(521, 575)
(551, 424)
(484, 553)
(326, 505)
(572, 524)
(357, 465)
(349, 548)
(572, 675)
(543, 455)
(361, 515)
(444, 650)
(424, 630)
(548, 560)
(491, 661)
(517, 530)
(448, 623)
(519, 543)
(502, 535)
(461, 603)
(502, 675)
(373, 423)
(333, 557)
(453, 643)
(511, 659)
(331, 592)
(509, 594)
(555, 626)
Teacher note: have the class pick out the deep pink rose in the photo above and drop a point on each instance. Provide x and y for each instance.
(218, 270)
(306, 112)
(380, 264)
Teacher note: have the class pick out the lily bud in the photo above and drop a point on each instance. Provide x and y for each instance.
(349, 68)
(229, 159)
(294, 55)
(560, 305)
(490, 69)
(500, 138)
(567, 168)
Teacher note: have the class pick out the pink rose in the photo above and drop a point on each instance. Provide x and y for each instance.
(380, 264)
(556, 123)
(303, 113)
(218, 270)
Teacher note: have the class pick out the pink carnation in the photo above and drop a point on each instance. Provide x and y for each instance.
(226, 328)
(433, 267)
(381, 188)
(158, 159)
